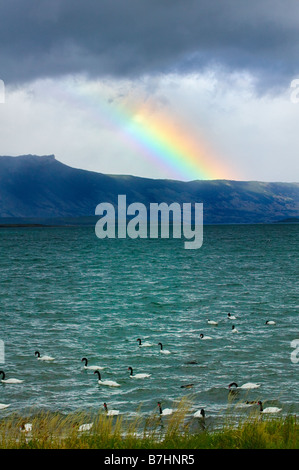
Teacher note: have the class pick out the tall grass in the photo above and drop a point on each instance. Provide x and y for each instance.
(178, 431)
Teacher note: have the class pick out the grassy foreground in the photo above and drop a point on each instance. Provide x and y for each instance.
(57, 431)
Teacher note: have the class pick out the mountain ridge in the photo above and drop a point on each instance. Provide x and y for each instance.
(34, 186)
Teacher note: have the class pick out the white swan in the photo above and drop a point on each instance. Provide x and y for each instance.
(43, 358)
(85, 427)
(144, 345)
(166, 412)
(9, 381)
(270, 322)
(212, 322)
(109, 383)
(202, 336)
(163, 351)
(199, 414)
(26, 427)
(270, 409)
(90, 367)
(110, 412)
(246, 386)
(138, 376)
(3, 406)
(231, 317)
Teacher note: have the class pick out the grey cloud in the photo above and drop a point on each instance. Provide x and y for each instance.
(131, 38)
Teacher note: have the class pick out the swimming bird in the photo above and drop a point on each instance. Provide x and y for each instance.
(85, 427)
(199, 414)
(231, 317)
(144, 345)
(110, 412)
(166, 412)
(246, 386)
(270, 409)
(3, 406)
(109, 383)
(9, 381)
(26, 427)
(212, 322)
(270, 322)
(43, 358)
(137, 376)
(163, 351)
(202, 336)
(90, 367)
(187, 386)
(234, 329)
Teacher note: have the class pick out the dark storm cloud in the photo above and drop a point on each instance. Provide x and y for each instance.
(130, 38)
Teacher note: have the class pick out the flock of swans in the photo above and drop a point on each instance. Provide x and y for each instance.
(232, 387)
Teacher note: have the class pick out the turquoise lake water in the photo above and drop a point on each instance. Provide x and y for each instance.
(70, 295)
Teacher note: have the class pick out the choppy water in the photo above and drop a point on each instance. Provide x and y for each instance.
(68, 294)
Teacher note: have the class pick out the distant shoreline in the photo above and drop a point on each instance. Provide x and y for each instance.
(90, 224)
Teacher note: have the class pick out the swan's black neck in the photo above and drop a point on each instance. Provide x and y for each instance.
(84, 360)
(130, 368)
(139, 341)
(97, 372)
(105, 406)
(160, 407)
(233, 384)
(161, 346)
(261, 405)
(37, 353)
(3, 374)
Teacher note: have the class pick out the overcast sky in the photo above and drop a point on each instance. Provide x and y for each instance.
(81, 78)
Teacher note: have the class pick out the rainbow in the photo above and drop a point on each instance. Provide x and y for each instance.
(156, 136)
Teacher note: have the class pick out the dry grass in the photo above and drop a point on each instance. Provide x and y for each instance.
(58, 431)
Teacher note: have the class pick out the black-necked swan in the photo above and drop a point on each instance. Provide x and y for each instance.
(187, 386)
(270, 409)
(166, 412)
(200, 414)
(85, 427)
(246, 386)
(163, 351)
(213, 322)
(270, 322)
(110, 412)
(138, 376)
(9, 381)
(109, 383)
(3, 406)
(144, 345)
(26, 427)
(90, 367)
(231, 317)
(234, 329)
(43, 358)
(202, 336)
